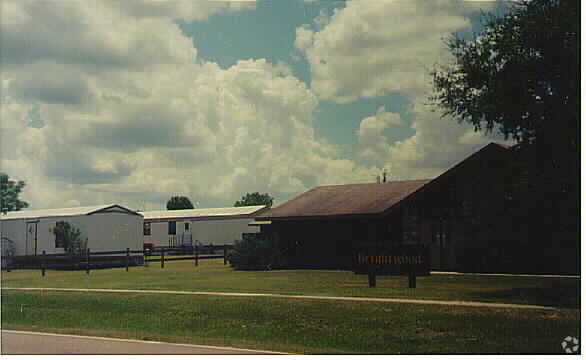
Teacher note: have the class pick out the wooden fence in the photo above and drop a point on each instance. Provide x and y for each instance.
(87, 259)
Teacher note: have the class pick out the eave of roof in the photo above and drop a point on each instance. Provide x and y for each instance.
(203, 214)
(63, 212)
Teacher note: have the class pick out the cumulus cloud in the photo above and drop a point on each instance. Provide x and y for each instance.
(303, 37)
(92, 36)
(374, 145)
(129, 116)
(437, 145)
(372, 48)
(178, 9)
(52, 84)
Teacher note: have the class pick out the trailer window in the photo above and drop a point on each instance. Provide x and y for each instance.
(186, 226)
(172, 228)
(60, 230)
(59, 240)
(146, 230)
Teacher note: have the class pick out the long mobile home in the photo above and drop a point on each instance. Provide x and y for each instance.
(104, 227)
(218, 226)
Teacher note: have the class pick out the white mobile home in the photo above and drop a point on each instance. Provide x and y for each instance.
(104, 227)
(218, 226)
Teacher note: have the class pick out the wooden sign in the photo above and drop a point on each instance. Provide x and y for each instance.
(393, 260)
(411, 260)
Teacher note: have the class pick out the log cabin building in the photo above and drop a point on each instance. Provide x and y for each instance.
(324, 227)
(463, 216)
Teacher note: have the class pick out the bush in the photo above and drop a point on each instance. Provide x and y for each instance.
(69, 238)
(256, 252)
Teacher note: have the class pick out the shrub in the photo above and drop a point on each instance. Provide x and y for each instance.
(69, 238)
(256, 252)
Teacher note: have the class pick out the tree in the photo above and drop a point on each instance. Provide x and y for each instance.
(69, 238)
(251, 199)
(9, 193)
(519, 77)
(179, 203)
(258, 251)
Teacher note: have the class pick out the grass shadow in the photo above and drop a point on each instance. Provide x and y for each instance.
(561, 297)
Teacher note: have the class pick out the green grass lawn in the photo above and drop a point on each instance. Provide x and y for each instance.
(291, 325)
(212, 275)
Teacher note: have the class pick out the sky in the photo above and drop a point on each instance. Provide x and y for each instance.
(132, 102)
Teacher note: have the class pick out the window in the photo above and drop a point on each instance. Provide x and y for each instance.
(186, 226)
(146, 229)
(439, 234)
(59, 240)
(172, 227)
(60, 230)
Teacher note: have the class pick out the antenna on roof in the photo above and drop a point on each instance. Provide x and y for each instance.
(384, 177)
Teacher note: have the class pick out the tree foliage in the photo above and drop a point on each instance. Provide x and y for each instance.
(69, 238)
(179, 203)
(251, 199)
(257, 251)
(9, 194)
(519, 77)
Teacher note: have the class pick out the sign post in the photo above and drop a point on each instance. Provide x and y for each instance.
(412, 278)
(372, 279)
(378, 259)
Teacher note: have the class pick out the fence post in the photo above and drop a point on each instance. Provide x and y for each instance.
(162, 258)
(412, 277)
(412, 280)
(195, 255)
(225, 254)
(372, 279)
(43, 263)
(87, 259)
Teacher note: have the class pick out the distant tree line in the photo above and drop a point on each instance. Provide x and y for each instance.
(9, 194)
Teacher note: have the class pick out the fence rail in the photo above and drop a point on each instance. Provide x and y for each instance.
(87, 259)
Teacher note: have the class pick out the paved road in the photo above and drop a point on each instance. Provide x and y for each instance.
(30, 343)
(334, 298)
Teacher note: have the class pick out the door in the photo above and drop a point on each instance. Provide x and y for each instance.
(441, 247)
(186, 241)
(31, 238)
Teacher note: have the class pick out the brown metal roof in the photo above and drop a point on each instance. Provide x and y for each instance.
(340, 200)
